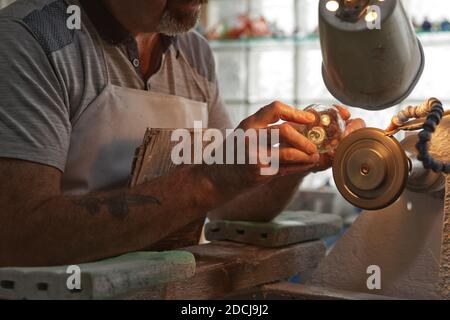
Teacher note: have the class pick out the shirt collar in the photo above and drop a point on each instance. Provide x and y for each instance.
(112, 31)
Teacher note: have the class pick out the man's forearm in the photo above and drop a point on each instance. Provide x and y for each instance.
(262, 203)
(66, 229)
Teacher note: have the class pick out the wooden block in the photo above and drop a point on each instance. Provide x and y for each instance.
(99, 280)
(153, 158)
(444, 273)
(290, 291)
(225, 267)
(288, 228)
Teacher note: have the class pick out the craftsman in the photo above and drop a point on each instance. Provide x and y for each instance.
(74, 105)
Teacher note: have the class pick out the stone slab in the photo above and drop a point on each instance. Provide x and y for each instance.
(106, 279)
(288, 228)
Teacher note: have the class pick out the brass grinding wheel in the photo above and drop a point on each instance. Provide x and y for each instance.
(370, 169)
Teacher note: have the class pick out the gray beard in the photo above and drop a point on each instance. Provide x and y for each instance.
(171, 26)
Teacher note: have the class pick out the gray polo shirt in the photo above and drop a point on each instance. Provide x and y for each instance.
(50, 74)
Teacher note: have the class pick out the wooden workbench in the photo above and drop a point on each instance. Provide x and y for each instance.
(226, 268)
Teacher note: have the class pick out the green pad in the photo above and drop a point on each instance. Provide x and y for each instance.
(106, 279)
(288, 228)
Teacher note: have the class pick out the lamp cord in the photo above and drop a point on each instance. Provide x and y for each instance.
(432, 121)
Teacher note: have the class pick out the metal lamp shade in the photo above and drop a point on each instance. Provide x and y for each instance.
(367, 68)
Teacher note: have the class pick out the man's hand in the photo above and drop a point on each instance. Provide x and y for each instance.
(297, 155)
(267, 200)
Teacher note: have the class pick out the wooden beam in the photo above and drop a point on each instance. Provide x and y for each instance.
(445, 247)
(224, 268)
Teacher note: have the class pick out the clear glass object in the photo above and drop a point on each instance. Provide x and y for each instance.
(327, 130)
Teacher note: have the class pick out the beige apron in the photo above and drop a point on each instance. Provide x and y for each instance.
(104, 138)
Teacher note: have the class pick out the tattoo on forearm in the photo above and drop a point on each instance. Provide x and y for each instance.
(118, 204)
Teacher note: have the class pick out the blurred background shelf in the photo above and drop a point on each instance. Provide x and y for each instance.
(433, 38)
(264, 42)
